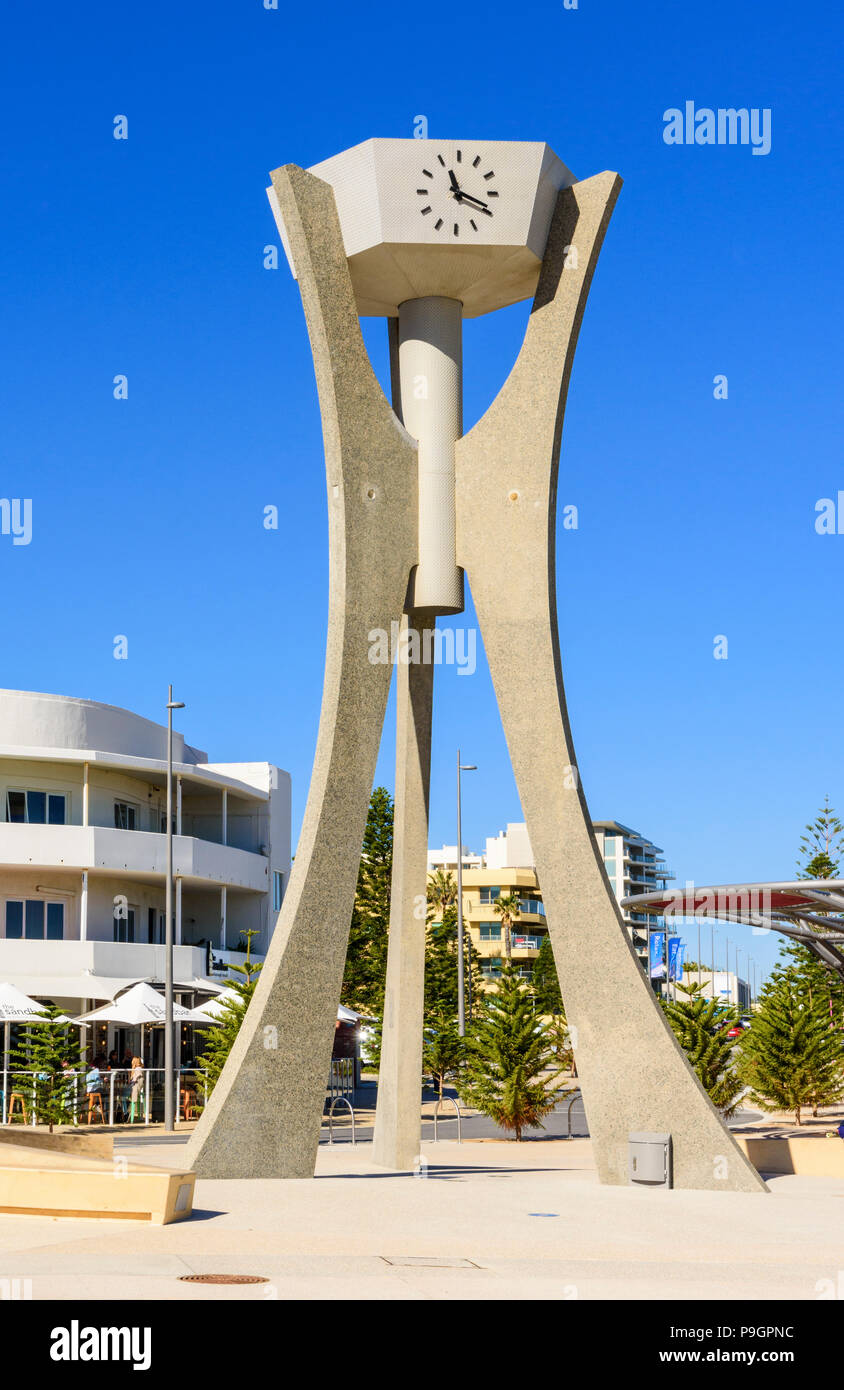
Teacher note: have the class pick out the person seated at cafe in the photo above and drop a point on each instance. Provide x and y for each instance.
(113, 1063)
(94, 1087)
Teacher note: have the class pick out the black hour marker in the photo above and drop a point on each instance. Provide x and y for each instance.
(424, 210)
(491, 193)
(424, 192)
(459, 156)
(476, 162)
(473, 223)
(442, 161)
(456, 230)
(438, 224)
(490, 175)
(427, 173)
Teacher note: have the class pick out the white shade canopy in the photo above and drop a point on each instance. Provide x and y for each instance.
(16, 1007)
(140, 1004)
(213, 1010)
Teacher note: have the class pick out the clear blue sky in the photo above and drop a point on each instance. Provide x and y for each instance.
(697, 516)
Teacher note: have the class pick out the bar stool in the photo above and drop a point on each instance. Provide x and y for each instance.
(21, 1099)
(95, 1103)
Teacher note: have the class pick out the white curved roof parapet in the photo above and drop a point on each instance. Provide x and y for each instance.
(39, 727)
(35, 720)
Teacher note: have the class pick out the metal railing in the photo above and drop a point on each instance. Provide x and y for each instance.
(575, 1096)
(116, 1105)
(341, 1078)
(450, 1101)
(340, 1100)
(527, 905)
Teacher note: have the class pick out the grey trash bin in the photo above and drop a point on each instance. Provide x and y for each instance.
(649, 1159)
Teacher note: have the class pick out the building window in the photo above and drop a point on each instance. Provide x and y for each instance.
(490, 931)
(278, 890)
(610, 843)
(155, 927)
(488, 895)
(35, 920)
(124, 927)
(492, 967)
(35, 808)
(124, 816)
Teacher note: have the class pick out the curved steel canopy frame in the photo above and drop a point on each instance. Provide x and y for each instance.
(790, 908)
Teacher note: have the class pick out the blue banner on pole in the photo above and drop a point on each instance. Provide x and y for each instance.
(676, 952)
(657, 962)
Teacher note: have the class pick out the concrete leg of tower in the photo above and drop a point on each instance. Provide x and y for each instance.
(397, 1116)
(633, 1074)
(264, 1116)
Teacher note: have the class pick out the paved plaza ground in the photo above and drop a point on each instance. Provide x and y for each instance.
(489, 1220)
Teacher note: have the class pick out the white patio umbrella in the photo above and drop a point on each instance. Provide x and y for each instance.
(17, 1007)
(212, 1010)
(138, 1005)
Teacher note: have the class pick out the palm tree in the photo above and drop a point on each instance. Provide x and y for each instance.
(442, 891)
(507, 907)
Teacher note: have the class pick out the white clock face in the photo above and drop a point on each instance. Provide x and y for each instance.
(456, 195)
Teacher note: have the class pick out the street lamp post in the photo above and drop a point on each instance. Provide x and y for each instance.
(461, 1006)
(738, 982)
(169, 1071)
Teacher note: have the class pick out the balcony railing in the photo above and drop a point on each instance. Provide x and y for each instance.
(528, 906)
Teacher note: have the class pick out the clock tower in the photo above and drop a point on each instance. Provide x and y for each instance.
(426, 233)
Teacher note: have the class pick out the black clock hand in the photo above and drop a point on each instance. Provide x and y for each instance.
(470, 199)
(455, 186)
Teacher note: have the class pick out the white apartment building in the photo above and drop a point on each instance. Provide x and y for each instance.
(83, 852)
(634, 864)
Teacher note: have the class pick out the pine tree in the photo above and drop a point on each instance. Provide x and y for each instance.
(443, 1050)
(219, 1039)
(790, 1057)
(52, 1052)
(507, 1058)
(701, 1026)
(820, 850)
(822, 845)
(546, 985)
(559, 1040)
(441, 986)
(365, 973)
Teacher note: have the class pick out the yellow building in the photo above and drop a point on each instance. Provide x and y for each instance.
(481, 887)
(633, 863)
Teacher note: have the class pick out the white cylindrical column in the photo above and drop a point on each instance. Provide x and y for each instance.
(431, 382)
(83, 908)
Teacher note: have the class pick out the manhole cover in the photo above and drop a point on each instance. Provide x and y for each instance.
(222, 1279)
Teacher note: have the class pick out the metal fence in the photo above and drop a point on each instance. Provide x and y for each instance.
(114, 1104)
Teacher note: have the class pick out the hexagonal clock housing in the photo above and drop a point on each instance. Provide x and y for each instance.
(467, 219)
